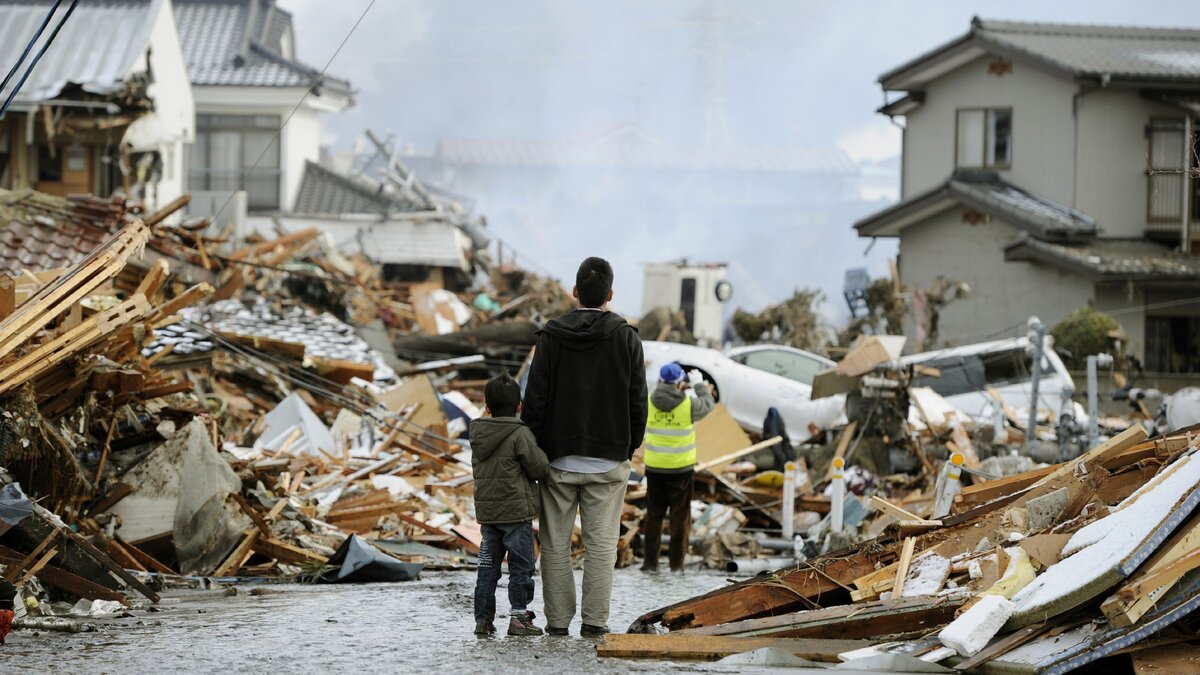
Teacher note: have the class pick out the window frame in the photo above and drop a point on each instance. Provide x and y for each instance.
(987, 136)
(210, 124)
(1167, 123)
(745, 357)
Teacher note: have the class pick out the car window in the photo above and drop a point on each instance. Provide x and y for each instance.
(962, 374)
(779, 362)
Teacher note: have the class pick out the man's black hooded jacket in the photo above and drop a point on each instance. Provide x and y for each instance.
(586, 393)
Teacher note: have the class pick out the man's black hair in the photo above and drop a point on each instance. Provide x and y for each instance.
(593, 282)
(503, 395)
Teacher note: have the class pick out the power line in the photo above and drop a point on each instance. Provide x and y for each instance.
(29, 47)
(38, 57)
(242, 183)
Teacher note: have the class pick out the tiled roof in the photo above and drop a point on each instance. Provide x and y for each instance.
(1111, 259)
(325, 191)
(1100, 53)
(239, 43)
(984, 191)
(1117, 51)
(97, 47)
(40, 232)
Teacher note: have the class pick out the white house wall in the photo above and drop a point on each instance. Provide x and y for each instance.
(1042, 127)
(300, 140)
(1002, 293)
(173, 122)
(1111, 184)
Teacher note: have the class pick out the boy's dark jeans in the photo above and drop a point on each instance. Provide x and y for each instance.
(673, 492)
(515, 539)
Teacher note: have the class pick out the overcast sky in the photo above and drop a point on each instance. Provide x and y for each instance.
(788, 72)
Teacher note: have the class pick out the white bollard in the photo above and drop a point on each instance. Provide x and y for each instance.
(788, 505)
(837, 501)
(949, 486)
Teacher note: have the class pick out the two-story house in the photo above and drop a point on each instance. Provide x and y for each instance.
(247, 81)
(106, 109)
(1050, 167)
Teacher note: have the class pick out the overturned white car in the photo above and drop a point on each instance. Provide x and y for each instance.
(749, 380)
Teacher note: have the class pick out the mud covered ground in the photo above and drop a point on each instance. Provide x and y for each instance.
(418, 626)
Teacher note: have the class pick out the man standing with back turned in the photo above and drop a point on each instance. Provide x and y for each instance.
(585, 402)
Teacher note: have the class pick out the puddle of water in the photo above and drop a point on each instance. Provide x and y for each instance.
(418, 626)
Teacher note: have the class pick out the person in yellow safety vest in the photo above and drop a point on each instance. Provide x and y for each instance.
(670, 456)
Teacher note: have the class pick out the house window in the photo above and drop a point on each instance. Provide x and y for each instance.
(226, 148)
(1173, 344)
(984, 138)
(1166, 176)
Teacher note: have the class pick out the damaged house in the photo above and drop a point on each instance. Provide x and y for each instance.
(247, 79)
(1050, 167)
(107, 108)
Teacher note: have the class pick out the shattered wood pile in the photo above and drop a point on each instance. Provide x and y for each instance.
(1043, 571)
(185, 406)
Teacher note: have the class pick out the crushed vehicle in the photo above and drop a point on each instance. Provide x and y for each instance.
(751, 379)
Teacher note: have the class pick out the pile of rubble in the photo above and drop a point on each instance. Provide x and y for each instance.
(1041, 571)
(177, 409)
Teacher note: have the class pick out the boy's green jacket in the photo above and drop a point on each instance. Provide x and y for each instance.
(506, 461)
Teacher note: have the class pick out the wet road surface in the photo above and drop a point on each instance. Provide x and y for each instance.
(418, 626)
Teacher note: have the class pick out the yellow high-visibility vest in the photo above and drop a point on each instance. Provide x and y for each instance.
(671, 437)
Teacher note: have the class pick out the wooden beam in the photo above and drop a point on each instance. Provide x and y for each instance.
(738, 453)
(286, 553)
(906, 555)
(866, 620)
(697, 648)
(899, 513)
(239, 554)
(1154, 578)
(66, 581)
(790, 589)
(11, 573)
(842, 444)
(118, 492)
(148, 561)
(37, 566)
(255, 516)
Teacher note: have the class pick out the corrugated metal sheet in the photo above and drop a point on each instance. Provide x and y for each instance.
(433, 242)
(96, 49)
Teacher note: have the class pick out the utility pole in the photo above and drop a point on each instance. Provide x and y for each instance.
(1039, 342)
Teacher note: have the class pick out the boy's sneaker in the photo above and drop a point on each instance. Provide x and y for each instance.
(484, 627)
(589, 630)
(523, 625)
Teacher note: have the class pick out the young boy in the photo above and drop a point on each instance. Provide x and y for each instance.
(506, 462)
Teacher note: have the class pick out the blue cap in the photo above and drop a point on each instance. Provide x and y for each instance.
(671, 373)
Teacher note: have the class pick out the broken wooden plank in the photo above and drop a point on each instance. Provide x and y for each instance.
(902, 565)
(788, 590)
(866, 620)
(236, 557)
(286, 553)
(253, 513)
(13, 571)
(145, 559)
(66, 581)
(700, 648)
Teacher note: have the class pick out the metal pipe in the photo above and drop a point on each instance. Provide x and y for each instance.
(1039, 333)
(1185, 242)
(1093, 401)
